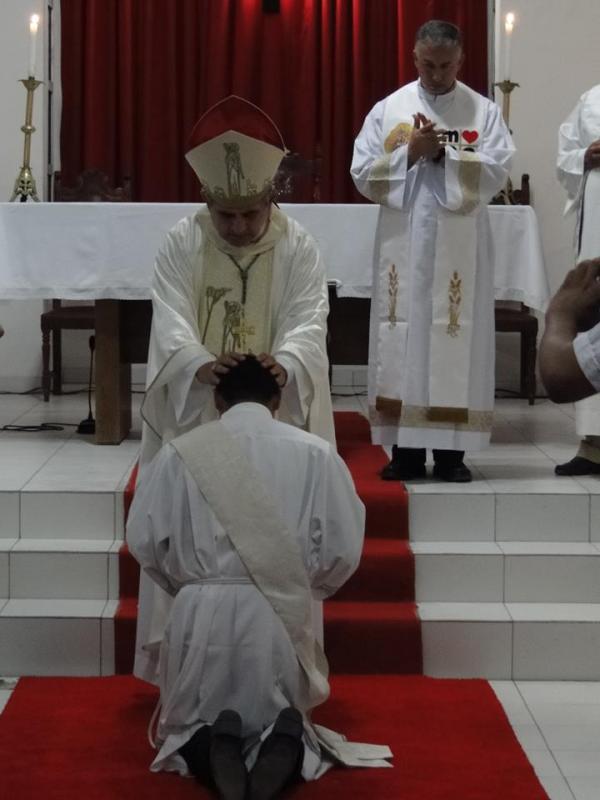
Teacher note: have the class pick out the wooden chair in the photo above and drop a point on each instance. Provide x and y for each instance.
(92, 187)
(517, 317)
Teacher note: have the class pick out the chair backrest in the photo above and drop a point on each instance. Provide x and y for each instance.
(299, 179)
(91, 187)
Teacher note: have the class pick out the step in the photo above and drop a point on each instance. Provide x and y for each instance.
(501, 509)
(372, 638)
(511, 641)
(517, 572)
(386, 573)
(62, 569)
(57, 637)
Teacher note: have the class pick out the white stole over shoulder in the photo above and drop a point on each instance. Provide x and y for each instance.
(267, 548)
(271, 554)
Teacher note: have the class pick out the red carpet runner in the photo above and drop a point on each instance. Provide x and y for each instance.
(371, 626)
(75, 738)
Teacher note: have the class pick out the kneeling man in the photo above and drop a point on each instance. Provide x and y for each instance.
(245, 522)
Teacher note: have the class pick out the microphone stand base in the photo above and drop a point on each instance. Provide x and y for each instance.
(87, 426)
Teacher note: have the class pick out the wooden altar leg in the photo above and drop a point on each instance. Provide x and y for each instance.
(113, 377)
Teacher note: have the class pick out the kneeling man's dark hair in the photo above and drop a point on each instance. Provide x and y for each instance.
(249, 381)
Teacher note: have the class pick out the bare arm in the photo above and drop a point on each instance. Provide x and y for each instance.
(574, 308)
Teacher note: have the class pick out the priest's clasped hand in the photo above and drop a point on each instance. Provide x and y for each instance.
(425, 141)
(592, 156)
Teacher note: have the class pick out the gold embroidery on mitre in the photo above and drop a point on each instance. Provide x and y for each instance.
(399, 135)
(392, 295)
(454, 301)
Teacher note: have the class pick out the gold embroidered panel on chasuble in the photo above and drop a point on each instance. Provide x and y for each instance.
(234, 312)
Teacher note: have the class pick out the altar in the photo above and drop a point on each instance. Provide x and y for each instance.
(105, 252)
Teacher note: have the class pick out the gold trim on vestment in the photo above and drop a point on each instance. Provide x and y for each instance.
(399, 135)
(447, 414)
(454, 301)
(388, 406)
(392, 294)
(419, 417)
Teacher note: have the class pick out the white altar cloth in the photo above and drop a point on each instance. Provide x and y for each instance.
(84, 251)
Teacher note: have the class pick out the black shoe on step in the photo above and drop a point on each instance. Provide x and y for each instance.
(195, 754)
(407, 464)
(279, 761)
(577, 466)
(452, 473)
(227, 766)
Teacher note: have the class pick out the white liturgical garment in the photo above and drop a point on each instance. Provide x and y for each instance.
(225, 646)
(198, 308)
(576, 134)
(431, 359)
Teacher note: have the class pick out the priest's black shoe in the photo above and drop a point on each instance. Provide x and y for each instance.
(280, 758)
(578, 466)
(453, 473)
(407, 464)
(195, 753)
(227, 767)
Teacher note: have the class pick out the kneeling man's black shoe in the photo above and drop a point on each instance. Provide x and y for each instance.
(280, 757)
(227, 766)
(453, 473)
(195, 753)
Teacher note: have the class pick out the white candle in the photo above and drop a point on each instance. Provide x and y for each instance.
(509, 24)
(33, 29)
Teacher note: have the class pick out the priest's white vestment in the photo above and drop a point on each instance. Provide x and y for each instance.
(576, 134)
(201, 306)
(431, 350)
(224, 645)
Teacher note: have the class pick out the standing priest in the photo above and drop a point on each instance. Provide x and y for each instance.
(236, 277)
(579, 172)
(432, 154)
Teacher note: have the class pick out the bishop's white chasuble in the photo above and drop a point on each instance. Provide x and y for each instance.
(431, 360)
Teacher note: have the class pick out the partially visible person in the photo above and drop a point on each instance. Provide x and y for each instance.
(432, 154)
(243, 522)
(569, 353)
(238, 276)
(578, 168)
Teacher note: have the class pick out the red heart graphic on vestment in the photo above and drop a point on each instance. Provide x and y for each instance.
(470, 136)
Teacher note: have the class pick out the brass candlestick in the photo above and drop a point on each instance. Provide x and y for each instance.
(25, 183)
(505, 197)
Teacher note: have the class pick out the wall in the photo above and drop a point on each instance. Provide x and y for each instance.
(555, 58)
(20, 356)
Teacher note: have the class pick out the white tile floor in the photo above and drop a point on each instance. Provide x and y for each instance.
(557, 723)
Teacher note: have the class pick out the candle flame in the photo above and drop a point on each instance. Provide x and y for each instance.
(509, 22)
(34, 22)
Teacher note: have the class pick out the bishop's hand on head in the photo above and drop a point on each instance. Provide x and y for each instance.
(209, 373)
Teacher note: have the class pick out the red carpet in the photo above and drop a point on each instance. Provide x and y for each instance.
(75, 738)
(376, 605)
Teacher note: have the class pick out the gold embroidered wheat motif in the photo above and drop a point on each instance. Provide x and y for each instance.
(392, 294)
(454, 301)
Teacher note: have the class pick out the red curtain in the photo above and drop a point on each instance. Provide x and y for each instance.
(137, 74)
